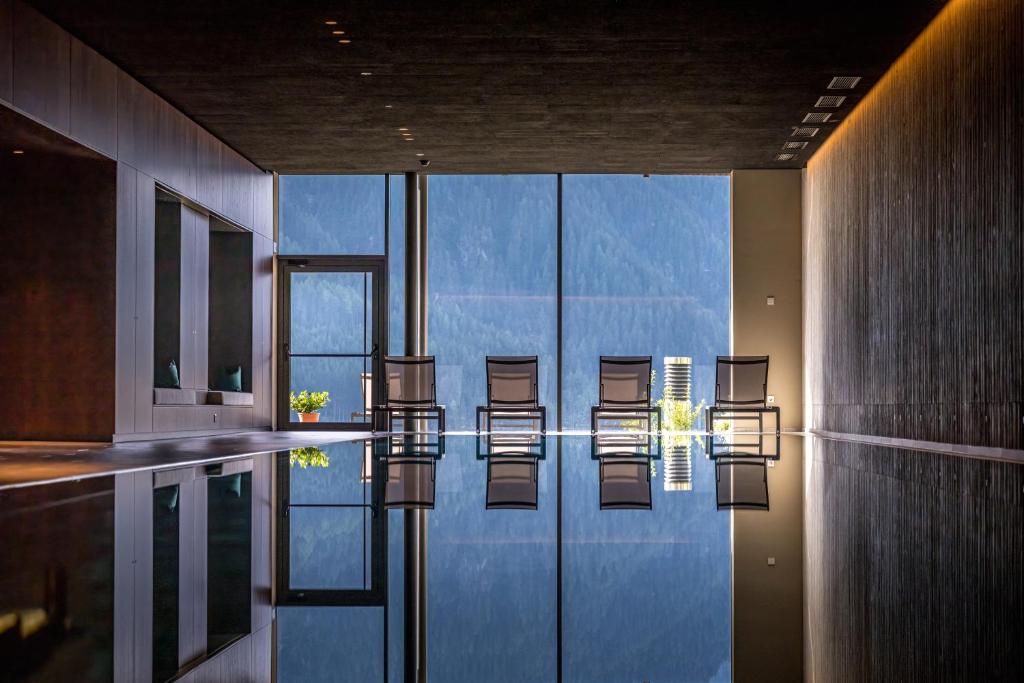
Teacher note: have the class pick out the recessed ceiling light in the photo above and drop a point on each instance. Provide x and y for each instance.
(844, 82)
(337, 33)
(18, 151)
(419, 154)
(795, 144)
(817, 117)
(331, 22)
(403, 128)
(784, 157)
(804, 132)
(365, 73)
(408, 139)
(344, 41)
(387, 106)
(830, 101)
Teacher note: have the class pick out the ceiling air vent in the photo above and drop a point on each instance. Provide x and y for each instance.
(844, 82)
(785, 157)
(804, 132)
(794, 144)
(830, 101)
(817, 117)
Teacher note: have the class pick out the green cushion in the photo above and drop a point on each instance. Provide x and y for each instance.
(231, 379)
(167, 376)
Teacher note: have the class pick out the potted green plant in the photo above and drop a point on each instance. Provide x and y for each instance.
(308, 404)
(311, 456)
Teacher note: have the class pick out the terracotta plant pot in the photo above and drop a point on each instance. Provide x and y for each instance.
(309, 417)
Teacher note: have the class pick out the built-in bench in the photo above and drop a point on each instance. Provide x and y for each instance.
(229, 398)
(166, 396)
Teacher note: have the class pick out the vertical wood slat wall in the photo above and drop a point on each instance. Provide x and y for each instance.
(915, 243)
(914, 328)
(50, 76)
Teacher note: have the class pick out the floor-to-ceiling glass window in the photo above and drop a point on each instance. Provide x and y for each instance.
(330, 516)
(646, 273)
(492, 263)
(492, 278)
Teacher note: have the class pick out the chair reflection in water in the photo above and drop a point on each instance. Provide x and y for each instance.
(410, 396)
(513, 460)
(624, 394)
(410, 469)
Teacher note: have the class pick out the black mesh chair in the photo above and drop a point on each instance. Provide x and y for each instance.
(741, 484)
(741, 397)
(624, 394)
(512, 401)
(410, 394)
(511, 483)
(625, 483)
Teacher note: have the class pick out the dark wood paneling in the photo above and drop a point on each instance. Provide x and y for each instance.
(175, 418)
(137, 111)
(42, 77)
(262, 507)
(201, 300)
(915, 243)
(58, 294)
(915, 566)
(124, 578)
(127, 218)
(191, 645)
(93, 100)
(262, 655)
(145, 254)
(187, 302)
(263, 276)
(263, 204)
(209, 177)
(6, 51)
(142, 591)
(238, 175)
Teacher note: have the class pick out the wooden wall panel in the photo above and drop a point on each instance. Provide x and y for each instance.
(58, 217)
(145, 259)
(263, 204)
(263, 281)
(93, 100)
(187, 300)
(915, 243)
(42, 64)
(125, 285)
(124, 578)
(914, 329)
(209, 176)
(238, 178)
(6, 51)
(137, 111)
(262, 509)
(201, 302)
(915, 566)
(262, 655)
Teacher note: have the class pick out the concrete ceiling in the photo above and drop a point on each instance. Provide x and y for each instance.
(515, 86)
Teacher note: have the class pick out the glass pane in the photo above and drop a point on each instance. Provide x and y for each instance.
(330, 474)
(166, 552)
(330, 644)
(329, 547)
(493, 263)
(646, 274)
(229, 558)
(331, 312)
(667, 567)
(331, 214)
(492, 577)
(347, 380)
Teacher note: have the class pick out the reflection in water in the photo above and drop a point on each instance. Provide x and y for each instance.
(498, 578)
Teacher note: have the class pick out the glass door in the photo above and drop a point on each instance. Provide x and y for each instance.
(333, 323)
